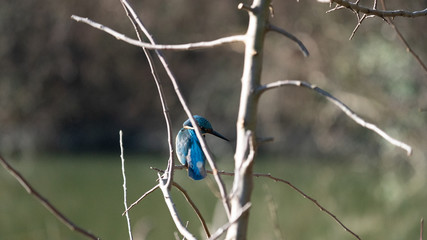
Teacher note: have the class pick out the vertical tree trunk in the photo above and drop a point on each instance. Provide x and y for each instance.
(246, 122)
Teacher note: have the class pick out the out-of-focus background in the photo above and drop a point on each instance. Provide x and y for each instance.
(66, 90)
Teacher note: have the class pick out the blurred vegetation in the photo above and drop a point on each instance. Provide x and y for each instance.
(375, 202)
(65, 87)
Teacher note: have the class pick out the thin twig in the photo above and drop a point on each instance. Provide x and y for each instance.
(224, 228)
(193, 205)
(140, 198)
(400, 35)
(180, 47)
(268, 175)
(124, 185)
(342, 106)
(380, 13)
(289, 35)
(174, 214)
(172, 78)
(421, 228)
(162, 97)
(60, 216)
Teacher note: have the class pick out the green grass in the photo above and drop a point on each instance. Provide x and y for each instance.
(374, 202)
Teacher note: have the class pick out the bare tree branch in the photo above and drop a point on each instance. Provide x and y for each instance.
(399, 34)
(268, 175)
(289, 35)
(174, 214)
(181, 47)
(224, 228)
(124, 186)
(380, 13)
(162, 97)
(172, 78)
(60, 216)
(193, 205)
(342, 106)
(140, 198)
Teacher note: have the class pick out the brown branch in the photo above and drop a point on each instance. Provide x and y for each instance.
(60, 216)
(340, 105)
(380, 13)
(193, 205)
(268, 175)
(181, 47)
(290, 36)
(399, 34)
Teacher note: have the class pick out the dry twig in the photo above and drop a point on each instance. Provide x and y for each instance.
(59, 215)
(124, 186)
(181, 47)
(342, 106)
(380, 13)
(193, 205)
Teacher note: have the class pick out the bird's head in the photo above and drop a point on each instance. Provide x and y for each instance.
(205, 126)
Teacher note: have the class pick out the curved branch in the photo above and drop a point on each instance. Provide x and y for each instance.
(180, 47)
(380, 13)
(162, 97)
(342, 106)
(174, 214)
(59, 215)
(193, 205)
(290, 36)
(174, 82)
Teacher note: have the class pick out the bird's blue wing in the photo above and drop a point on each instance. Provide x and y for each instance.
(183, 144)
(196, 159)
(190, 153)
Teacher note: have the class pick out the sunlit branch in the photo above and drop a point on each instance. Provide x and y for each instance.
(340, 105)
(174, 82)
(140, 198)
(290, 36)
(268, 175)
(60, 216)
(124, 186)
(193, 205)
(162, 97)
(224, 228)
(181, 47)
(174, 214)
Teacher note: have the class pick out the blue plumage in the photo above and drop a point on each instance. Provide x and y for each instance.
(189, 150)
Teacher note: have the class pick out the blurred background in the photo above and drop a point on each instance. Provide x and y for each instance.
(67, 89)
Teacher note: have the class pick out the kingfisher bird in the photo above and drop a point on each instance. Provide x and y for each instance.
(189, 150)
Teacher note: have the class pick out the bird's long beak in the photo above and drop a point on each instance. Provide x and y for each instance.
(213, 132)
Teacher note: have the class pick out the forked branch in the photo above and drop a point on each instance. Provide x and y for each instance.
(354, 6)
(342, 106)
